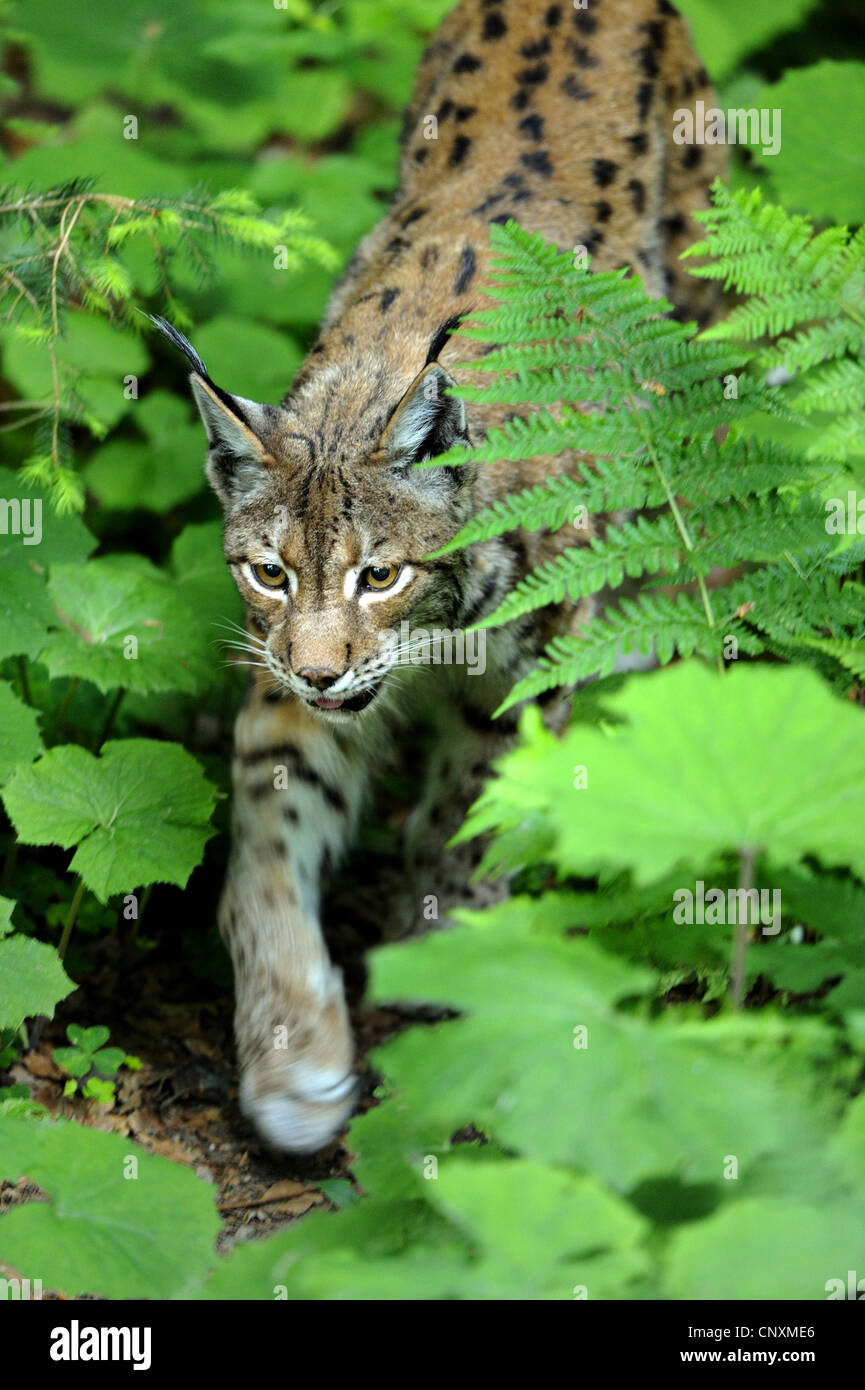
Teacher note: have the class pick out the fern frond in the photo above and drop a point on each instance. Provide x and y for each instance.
(651, 624)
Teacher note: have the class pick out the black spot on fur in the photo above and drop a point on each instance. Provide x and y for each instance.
(387, 298)
(467, 268)
(647, 61)
(593, 241)
(639, 142)
(574, 89)
(512, 181)
(501, 218)
(553, 16)
(461, 147)
(644, 99)
(664, 7)
(520, 100)
(675, 224)
(488, 202)
(637, 191)
(421, 154)
(539, 162)
(444, 110)
(604, 171)
(603, 210)
(494, 26)
(539, 49)
(463, 112)
(524, 196)
(467, 62)
(413, 216)
(532, 127)
(585, 22)
(692, 157)
(688, 86)
(396, 245)
(429, 256)
(656, 32)
(581, 55)
(534, 77)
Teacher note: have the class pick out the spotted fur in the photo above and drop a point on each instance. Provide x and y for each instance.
(560, 118)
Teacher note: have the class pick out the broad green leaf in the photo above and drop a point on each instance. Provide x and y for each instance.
(20, 741)
(540, 1231)
(72, 1060)
(88, 1039)
(820, 168)
(258, 361)
(724, 34)
(664, 1097)
(766, 759)
(764, 1249)
(120, 1222)
(139, 813)
(108, 1059)
(122, 623)
(98, 358)
(25, 608)
(158, 474)
(32, 979)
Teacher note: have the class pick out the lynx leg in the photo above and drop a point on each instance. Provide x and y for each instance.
(297, 790)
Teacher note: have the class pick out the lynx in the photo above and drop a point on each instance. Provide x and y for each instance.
(559, 116)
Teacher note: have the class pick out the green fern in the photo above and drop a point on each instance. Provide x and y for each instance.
(684, 429)
(806, 306)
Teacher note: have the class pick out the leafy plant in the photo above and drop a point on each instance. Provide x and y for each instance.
(88, 1054)
(65, 246)
(626, 1105)
(680, 433)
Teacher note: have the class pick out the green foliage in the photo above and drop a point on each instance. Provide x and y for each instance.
(739, 753)
(820, 167)
(140, 810)
(599, 1053)
(33, 979)
(118, 1221)
(65, 246)
(724, 37)
(805, 310)
(752, 500)
(643, 1152)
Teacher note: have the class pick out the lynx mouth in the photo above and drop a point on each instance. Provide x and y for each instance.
(351, 706)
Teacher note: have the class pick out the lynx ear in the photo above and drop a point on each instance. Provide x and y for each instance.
(238, 459)
(426, 422)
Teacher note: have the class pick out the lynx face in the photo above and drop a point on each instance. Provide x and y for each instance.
(329, 554)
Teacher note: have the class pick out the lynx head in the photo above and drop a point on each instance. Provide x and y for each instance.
(328, 524)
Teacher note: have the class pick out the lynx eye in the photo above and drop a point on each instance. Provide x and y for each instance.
(379, 576)
(271, 576)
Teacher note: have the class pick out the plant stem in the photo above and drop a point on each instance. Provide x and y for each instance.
(109, 718)
(64, 705)
(21, 663)
(145, 899)
(740, 935)
(70, 918)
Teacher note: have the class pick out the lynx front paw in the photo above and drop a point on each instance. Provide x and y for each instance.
(297, 1085)
(303, 1113)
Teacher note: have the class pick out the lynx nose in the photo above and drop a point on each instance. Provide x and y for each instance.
(319, 676)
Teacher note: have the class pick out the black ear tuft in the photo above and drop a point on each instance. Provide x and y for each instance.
(176, 338)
